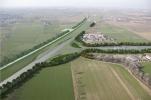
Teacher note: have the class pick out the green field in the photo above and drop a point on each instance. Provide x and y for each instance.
(147, 67)
(6, 72)
(119, 34)
(18, 65)
(96, 80)
(53, 83)
(24, 36)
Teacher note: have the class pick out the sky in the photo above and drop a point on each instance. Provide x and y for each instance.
(76, 3)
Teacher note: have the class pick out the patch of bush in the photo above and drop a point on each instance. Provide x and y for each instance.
(75, 45)
(92, 24)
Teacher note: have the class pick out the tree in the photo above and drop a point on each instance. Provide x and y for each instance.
(92, 24)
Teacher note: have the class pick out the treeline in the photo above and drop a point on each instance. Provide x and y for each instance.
(74, 44)
(116, 44)
(92, 24)
(79, 37)
(10, 86)
(63, 59)
(117, 51)
(73, 27)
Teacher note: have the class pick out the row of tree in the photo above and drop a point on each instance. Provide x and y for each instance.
(116, 44)
(80, 36)
(9, 86)
(92, 24)
(117, 51)
(75, 45)
(63, 59)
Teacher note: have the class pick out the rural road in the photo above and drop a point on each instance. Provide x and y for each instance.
(41, 58)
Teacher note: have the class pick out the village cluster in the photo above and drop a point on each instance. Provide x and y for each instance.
(96, 38)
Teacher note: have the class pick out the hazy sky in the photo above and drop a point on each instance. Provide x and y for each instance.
(77, 3)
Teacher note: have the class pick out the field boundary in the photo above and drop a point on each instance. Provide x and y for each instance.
(74, 84)
(141, 83)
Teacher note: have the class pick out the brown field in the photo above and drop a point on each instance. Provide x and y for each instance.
(141, 29)
(146, 35)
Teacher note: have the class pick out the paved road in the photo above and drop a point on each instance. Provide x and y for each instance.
(42, 58)
(62, 36)
(37, 49)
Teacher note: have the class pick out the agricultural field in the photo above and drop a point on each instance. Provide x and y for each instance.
(96, 80)
(24, 36)
(141, 29)
(54, 83)
(147, 67)
(117, 33)
(137, 22)
(126, 25)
